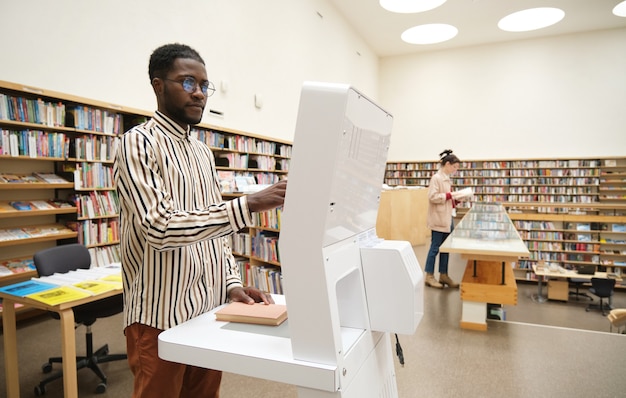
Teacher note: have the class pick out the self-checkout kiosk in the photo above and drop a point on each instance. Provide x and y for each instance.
(346, 289)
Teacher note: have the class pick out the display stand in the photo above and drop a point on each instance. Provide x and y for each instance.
(489, 241)
(337, 273)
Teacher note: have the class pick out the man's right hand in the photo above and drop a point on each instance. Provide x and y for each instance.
(268, 198)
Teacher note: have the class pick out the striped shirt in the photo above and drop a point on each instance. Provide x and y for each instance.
(176, 260)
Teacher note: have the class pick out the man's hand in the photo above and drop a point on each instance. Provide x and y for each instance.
(250, 295)
(268, 198)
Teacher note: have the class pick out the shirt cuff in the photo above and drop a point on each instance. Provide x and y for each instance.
(239, 213)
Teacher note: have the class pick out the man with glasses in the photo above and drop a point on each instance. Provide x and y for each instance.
(176, 259)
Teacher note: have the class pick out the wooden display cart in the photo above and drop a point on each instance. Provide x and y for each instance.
(490, 243)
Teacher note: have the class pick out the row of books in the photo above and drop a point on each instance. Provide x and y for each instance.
(239, 143)
(16, 266)
(93, 175)
(240, 244)
(10, 234)
(265, 278)
(269, 218)
(515, 164)
(36, 205)
(104, 255)
(49, 178)
(32, 111)
(74, 285)
(96, 232)
(94, 119)
(93, 147)
(98, 204)
(265, 246)
(33, 143)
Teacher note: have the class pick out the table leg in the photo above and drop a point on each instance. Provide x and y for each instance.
(539, 297)
(68, 346)
(10, 349)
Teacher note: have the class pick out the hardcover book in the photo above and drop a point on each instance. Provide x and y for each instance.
(257, 313)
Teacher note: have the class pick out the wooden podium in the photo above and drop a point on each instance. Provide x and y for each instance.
(402, 215)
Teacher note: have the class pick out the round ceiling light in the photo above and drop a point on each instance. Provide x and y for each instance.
(410, 6)
(531, 19)
(620, 9)
(429, 33)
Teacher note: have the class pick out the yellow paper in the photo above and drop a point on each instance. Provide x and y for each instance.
(59, 295)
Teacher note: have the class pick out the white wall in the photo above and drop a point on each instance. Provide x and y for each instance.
(553, 97)
(100, 50)
(544, 98)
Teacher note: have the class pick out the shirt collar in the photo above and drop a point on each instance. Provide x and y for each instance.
(171, 126)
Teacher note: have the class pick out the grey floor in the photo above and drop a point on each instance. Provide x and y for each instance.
(551, 349)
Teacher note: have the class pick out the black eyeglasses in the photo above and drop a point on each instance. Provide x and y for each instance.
(190, 85)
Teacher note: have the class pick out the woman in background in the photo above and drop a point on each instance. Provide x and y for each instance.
(441, 202)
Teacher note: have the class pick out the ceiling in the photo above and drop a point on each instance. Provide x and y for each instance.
(476, 21)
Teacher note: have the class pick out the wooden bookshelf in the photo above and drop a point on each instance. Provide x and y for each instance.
(550, 201)
(76, 138)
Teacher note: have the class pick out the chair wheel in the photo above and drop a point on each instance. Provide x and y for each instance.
(587, 309)
(46, 367)
(40, 390)
(101, 388)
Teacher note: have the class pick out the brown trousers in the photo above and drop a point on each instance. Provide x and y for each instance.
(155, 377)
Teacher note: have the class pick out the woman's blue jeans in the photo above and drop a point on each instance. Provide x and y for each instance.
(436, 240)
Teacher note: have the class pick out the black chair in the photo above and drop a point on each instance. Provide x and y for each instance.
(603, 288)
(577, 283)
(65, 258)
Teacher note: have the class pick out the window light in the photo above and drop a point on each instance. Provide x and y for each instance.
(429, 33)
(531, 19)
(620, 9)
(410, 6)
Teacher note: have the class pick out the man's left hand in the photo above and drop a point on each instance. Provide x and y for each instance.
(250, 295)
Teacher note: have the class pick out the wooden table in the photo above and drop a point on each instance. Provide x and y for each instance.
(546, 273)
(68, 343)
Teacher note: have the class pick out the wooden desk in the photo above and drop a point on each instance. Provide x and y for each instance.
(68, 343)
(545, 273)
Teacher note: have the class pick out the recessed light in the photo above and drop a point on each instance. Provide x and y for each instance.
(410, 6)
(531, 19)
(429, 33)
(620, 9)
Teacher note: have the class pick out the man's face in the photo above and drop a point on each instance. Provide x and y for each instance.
(183, 107)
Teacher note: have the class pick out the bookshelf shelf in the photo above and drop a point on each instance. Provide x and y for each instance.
(44, 233)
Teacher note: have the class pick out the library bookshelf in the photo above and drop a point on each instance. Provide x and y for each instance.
(568, 211)
(71, 141)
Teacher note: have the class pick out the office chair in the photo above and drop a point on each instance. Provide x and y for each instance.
(65, 258)
(603, 288)
(577, 283)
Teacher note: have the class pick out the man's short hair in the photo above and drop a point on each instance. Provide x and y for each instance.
(163, 58)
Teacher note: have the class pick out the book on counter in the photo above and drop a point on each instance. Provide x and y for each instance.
(59, 295)
(257, 313)
(26, 288)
